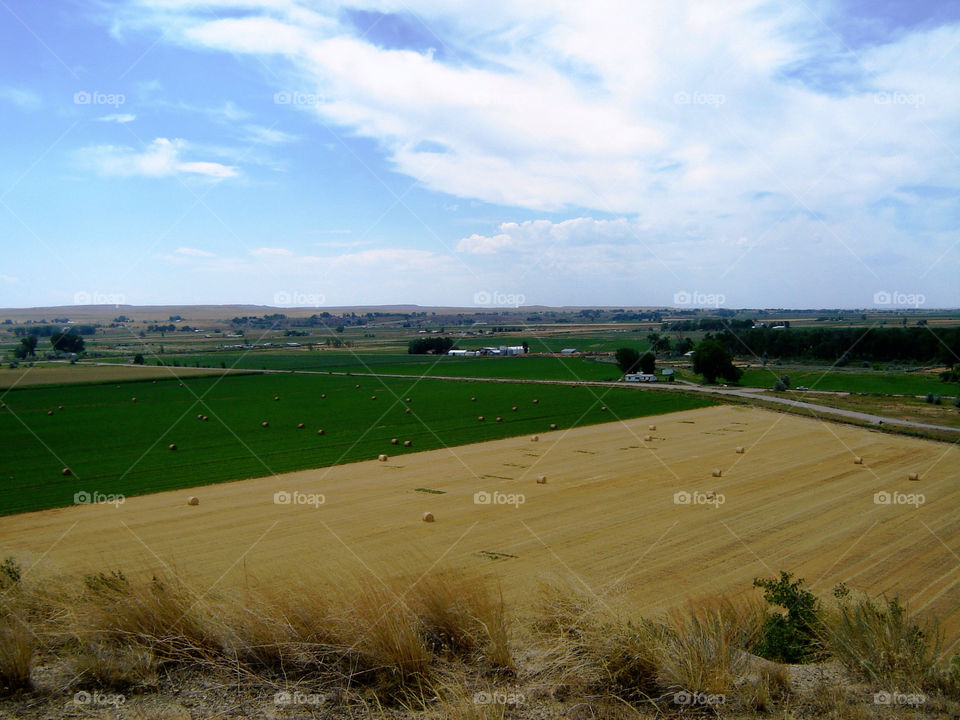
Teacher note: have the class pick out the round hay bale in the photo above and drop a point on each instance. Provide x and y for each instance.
(264, 424)
(205, 418)
(199, 416)
(427, 517)
(603, 408)
(193, 500)
(181, 384)
(49, 412)
(173, 446)
(535, 438)
(541, 479)
(740, 450)
(913, 476)
(407, 400)
(66, 471)
(154, 382)
(323, 396)
(514, 408)
(857, 460)
(59, 407)
(717, 472)
(382, 458)
(407, 443)
(373, 397)
(300, 426)
(133, 399)
(320, 432)
(3, 405)
(394, 441)
(553, 426)
(408, 411)
(480, 418)
(473, 399)
(647, 438)
(535, 401)
(499, 419)
(651, 427)
(357, 387)
(276, 397)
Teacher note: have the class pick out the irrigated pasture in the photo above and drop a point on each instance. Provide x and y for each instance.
(615, 513)
(115, 438)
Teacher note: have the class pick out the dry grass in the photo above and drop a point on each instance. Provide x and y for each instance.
(17, 647)
(437, 647)
(703, 650)
(880, 642)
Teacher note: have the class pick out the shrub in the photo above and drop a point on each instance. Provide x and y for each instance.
(879, 642)
(790, 637)
(10, 573)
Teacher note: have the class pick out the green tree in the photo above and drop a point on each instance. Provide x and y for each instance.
(27, 346)
(628, 359)
(67, 342)
(648, 363)
(138, 359)
(711, 359)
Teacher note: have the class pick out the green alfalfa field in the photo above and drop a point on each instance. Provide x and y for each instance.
(113, 444)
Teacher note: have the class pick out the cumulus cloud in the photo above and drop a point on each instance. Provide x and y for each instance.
(706, 137)
(162, 158)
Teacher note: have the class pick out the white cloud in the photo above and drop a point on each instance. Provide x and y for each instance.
(162, 158)
(267, 136)
(23, 99)
(10, 279)
(723, 138)
(120, 118)
(193, 252)
(271, 252)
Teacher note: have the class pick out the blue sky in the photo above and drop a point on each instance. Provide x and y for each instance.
(381, 152)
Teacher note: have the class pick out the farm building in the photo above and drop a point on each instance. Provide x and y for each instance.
(569, 351)
(640, 377)
(463, 353)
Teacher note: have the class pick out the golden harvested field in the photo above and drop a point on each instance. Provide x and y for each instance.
(606, 517)
(65, 373)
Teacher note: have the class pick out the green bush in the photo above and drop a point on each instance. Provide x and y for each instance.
(789, 637)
